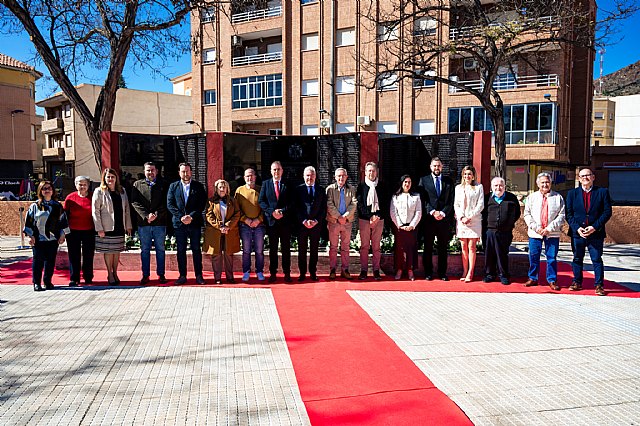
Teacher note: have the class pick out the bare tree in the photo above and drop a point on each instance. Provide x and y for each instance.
(72, 36)
(484, 42)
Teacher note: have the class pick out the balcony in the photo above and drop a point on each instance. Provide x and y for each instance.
(256, 59)
(254, 15)
(53, 152)
(511, 83)
(477, 30)
(53, 126)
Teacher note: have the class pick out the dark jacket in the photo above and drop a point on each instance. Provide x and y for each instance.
(501, 217)
(55, 225)
(268, 202)
(313, 209)
(599, 210)
(195, 203)
(147, 199)
(431, 201)
(364, 211)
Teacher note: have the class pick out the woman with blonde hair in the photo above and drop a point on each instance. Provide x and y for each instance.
(111, 218)
(468, 204)
(221, 233)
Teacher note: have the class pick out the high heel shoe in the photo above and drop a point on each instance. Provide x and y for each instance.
(398, 275)
(468, 279)
(411, 276)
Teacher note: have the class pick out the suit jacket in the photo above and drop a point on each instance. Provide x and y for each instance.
(268, 202)
(333, 202)
(195, 203)
(147, 199)
(306, 208)
(431, 201)
(599, 210)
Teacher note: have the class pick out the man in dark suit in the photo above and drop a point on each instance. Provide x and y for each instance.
(186, 201)
(275, 201)
(437, 193)
(311, 209)
(588, 209)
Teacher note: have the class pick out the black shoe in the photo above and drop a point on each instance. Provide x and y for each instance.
(362, 276)
(487, 279)
(49, 286)
(272, 278)
(144, 280)
(301, 278)
(444, 278)
(505, 281)
(181, 280)
(218, 281)
(88, 281)
(429, 278)
(37, 287)
(199, 279)
(162, 279)
(376, 275)
(73, 284)
(231, 280)
(287, 278)
(314, 277)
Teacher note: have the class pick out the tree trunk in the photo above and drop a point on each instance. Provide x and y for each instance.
(500, 145)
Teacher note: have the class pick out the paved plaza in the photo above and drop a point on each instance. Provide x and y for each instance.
(228, 356)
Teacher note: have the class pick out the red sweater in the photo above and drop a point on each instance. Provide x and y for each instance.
(78, 212)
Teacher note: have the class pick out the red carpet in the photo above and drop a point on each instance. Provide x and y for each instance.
(349, 371)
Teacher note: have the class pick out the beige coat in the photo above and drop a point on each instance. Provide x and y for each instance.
(333, 202)
(533, 212)
(102, 211)
(213, 223)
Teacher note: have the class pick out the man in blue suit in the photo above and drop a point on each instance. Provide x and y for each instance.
(275, 201)
(588, 209)
(186, 201)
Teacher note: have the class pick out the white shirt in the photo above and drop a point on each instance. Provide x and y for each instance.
(185, 190)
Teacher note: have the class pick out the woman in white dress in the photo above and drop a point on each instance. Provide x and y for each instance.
(468, 205)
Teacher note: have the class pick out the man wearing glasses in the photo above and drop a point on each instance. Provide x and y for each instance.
(588, 210)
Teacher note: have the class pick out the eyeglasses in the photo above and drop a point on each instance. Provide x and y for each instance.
(47, 188)
(585, 176)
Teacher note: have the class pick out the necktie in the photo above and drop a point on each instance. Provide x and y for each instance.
(438, 186)
(342, 208)
(310, 193)
(544, 214)
(277, 186)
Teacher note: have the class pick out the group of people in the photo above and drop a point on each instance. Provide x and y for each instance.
(436, 206)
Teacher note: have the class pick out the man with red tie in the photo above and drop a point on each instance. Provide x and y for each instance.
(275, 202)
(588, 210)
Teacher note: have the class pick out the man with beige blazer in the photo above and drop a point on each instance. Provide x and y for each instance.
(341, 211)
(544, 216)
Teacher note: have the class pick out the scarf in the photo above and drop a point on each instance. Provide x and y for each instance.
(372, 196)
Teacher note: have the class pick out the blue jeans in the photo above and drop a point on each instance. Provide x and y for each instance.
(252, 241)
(147, 234)
(550, 251)
(193, 234)
(595, 247)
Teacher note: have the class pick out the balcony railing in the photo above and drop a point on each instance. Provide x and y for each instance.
(472, 31)
(53, 152)
(256, 59)
(256, 14)
(53, 126)
(524, 82)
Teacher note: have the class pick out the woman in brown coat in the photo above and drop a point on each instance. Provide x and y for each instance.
(221, 234)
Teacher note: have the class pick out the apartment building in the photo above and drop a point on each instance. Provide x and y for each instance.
(18, 120)
(604, 121)
(68, 150)
(298, 67)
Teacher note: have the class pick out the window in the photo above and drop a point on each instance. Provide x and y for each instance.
(598, 115)
(308, 1)
(33, 132)
(424, 81)
(610, 116)
(345, 84)
(309, 88)
(597, 133)
(209, 56)
(274, 48)
(346, 37)
(252, 132)
(275, 132)
(256, 91)
(67, 110)
(208, 14)
(387, 127)
(506, 79)
(310, 130)
(210, 97)
(345, 128)
(387, 31)
(424, 127)
(387, 81)
(67, 140)
(425, 26)
(309, 41)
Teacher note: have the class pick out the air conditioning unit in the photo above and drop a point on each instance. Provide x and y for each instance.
(470, 64)
(236, 41)
(363, 120)
(325, 123)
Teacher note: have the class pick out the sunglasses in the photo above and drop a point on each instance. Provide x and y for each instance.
(47, 188)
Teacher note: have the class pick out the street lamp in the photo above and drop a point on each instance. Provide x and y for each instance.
(196, 123)
(13, 132)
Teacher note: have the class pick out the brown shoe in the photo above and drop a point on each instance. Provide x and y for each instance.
(345, 274)
(332, 274)
(531, 283)
(554, 286)
(600, 291)
(575, 286)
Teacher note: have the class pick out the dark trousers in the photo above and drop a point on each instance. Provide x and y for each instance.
(305, 237)
(406, 247)
(44, 256)
(81, 247)
(279, 233)
(433, 229)
(497, 253)
(595, 247)
(193, 234)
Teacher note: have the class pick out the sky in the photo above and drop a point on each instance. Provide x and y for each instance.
(621, 52)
